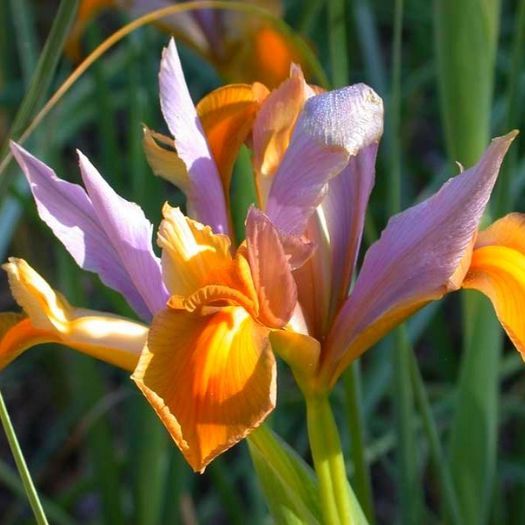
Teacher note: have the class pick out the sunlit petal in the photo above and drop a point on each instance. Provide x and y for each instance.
(271, 271)
(163, 159)
(273, 128)
(497, 269)
(206, 200)
(103, 232)
(332, 128)
(194, 257)
(227, 116)
(414, 261)
(210, 378)
(111, 338)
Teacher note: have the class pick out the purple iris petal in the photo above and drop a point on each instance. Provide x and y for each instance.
(103, 232)
(417, 254)
(344, 209)
(332, 127)
(206, 201)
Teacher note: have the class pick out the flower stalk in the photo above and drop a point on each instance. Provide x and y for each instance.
(329, 463)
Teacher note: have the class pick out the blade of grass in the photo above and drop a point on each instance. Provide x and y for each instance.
(11, 481)
(355, 419)
(306, 53)
(88, 388)
(42, 76)
(25, 37)
(466, 43)
(402, 394)
(338, 42)
(436, 450)
(21, 465)
(504, 196)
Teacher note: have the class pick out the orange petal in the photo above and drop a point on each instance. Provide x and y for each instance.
(264, 54)
(164, 161)
(272, 275)
(274, 53)
(210, 378)
(194, 257)
(273, 128)
(113, 339)
(497, 269)
(227, 115)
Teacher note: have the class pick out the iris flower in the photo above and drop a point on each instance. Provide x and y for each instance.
(214, 313)
(240, 46)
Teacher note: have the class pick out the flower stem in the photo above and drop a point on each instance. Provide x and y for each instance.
(328, 461)
(30, 490)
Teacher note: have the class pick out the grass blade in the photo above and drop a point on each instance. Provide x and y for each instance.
(29, 487)
(466, 44)
(43, 74)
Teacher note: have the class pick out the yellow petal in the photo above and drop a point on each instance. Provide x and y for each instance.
(227, 115)
(210, 378)
(194, 257)
(164, 161)
(51, 318)
(497, 269)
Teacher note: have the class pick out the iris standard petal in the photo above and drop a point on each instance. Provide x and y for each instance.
(332, 128)
(50, 319)
(273, 128)
(74, 219)
(497, 269)
(344, 210)
(414, 261)
(227, 116)
(210, 378)
(206, 200)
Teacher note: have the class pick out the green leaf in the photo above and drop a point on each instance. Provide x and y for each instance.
(466, 43)
(288, 483)
(42, 76)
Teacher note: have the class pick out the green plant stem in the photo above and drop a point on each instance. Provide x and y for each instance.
(328, 461)
(354, 411)
(29, 487)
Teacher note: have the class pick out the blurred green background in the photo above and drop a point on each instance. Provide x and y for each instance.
(452, 74)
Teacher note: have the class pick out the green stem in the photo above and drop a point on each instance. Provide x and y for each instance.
(328, 461)
(29, 487)
(354, 409)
